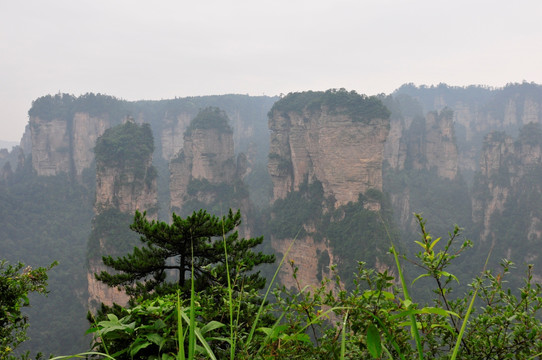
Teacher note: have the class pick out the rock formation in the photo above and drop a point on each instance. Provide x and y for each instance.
(125, 182)
(205, 172)
(327, 145)
(427, 144)
(50, 146)
(509, 173)
(333, 138)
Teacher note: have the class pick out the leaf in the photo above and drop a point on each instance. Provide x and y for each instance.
(298, 337)
(112, 317)
(374, 343)
(434, 243)
(211, 326)
(419, 277)
(155, 339)
(386, 294)
(445, 273)
(159, 324)
(142, 344)
(421, 244)
(426, 310)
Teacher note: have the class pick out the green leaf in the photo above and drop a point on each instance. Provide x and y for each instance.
(426, 310)
(155, 339)
(211, 326)
(419, 277)
(386, 294)
(421, 244)
(142, 344)
(445, 273)
(374, 343)
(434, 243)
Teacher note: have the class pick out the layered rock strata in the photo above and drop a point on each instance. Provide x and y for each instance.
(323, 137)
(344, 155)
(125, 184)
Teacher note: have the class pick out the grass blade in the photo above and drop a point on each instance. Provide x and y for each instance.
(413, 323)
(180, 337)
(469, 310)
(343, 337)
(251, 334)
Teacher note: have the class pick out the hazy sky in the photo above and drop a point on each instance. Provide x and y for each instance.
(135, 49)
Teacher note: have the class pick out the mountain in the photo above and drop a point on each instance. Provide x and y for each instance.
(340, 172)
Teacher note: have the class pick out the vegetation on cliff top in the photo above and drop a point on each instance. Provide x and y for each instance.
(360, 108)
(210, 118)
(64, 106)
(124, 146)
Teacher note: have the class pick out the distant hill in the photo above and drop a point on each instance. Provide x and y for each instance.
(8, 144)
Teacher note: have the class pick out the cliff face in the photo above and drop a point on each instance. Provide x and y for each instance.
(125, 189)
(479, 111)
(509, 171)
(65, 146)
(205, 173)
(423, 144)
(172, 134)
(86, 130)
(50, 146)
(208, 155)
(328, 149)
(125, 182)
(63, 129)
(498, 152)
(344, 155)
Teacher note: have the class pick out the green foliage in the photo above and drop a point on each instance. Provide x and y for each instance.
(353, 231)
(326, 321)
(296, 209)
(64, 107)
(186, 246)
(16, 282)
(356, 233)
(360, 108)
(111, 234)
(210, 118)
(125, 146)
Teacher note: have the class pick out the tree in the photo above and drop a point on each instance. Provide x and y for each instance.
(200, 242)
(15, 285)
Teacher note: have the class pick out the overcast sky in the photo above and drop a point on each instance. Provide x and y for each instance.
(135, 49)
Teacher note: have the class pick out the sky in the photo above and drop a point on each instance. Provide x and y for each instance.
(134, 49)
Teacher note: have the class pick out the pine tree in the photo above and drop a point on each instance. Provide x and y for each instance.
(164, 262)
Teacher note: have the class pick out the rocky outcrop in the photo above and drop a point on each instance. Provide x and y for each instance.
(172, 135)
(423, 144)
(207, 159)
(306, 257)
(86, 130)
(65, 146)
(509, 171)
(480, 110)
(125, 182)
(325, 145)
(51, 146)
(329, 139)
(63, 129)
